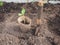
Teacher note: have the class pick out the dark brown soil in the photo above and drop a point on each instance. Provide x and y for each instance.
(46, 34)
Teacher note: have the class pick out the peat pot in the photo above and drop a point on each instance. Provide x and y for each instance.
(24, 23)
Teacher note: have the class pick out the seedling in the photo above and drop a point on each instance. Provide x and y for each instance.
(1, 3)
(22, 12)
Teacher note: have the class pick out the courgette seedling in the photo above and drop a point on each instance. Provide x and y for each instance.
(22, 12)
(1, 3)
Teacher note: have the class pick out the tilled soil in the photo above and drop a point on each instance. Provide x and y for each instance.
(48, 33)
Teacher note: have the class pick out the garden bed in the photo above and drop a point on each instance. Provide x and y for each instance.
(12, 34)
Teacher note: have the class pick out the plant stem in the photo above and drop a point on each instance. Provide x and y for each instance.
(41, 15)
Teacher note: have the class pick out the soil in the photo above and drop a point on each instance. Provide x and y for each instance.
(47, 33)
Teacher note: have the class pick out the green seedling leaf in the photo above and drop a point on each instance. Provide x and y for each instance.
(23, 11)
(19, 14)
(1, 3)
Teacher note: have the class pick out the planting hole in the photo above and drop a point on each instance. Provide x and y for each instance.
(25, 21)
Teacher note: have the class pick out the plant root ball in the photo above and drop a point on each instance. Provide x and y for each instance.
(25, 23)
